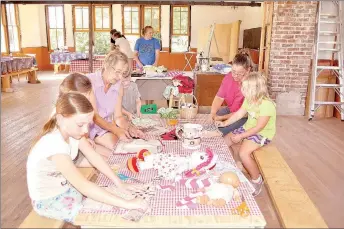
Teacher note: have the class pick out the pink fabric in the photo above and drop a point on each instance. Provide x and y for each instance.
(187, 84)
(196, 183)
(204, 164)
(231, 92)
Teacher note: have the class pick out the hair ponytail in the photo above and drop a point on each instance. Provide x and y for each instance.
(67, 105)
(48, 127)
(243, 58)
(118, 34)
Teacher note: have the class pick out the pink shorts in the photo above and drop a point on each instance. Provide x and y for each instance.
(257, 138)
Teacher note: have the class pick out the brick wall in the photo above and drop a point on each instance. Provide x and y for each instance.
(292, 40)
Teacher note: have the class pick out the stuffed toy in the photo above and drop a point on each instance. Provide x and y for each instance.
(172, 167)
(221, 193)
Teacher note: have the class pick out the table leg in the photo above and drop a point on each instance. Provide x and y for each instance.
(66, 69)
(6, 84)
(56, 68)
(33, 77)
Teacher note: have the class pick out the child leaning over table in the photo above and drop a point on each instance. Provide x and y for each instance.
(259, 129)
(56, 186)
(131, 102)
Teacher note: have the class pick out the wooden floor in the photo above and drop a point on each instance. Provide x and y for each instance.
(313, 150)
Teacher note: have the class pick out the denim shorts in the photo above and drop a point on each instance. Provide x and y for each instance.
(62, 207)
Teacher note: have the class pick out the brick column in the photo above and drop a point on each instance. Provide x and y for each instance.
(292, 41)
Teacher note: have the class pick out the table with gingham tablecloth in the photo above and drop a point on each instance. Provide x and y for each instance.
(164, 212)
(15, 64)
(82, 65)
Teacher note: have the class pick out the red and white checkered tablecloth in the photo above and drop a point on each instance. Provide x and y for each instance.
(164, 202)
(82, 65)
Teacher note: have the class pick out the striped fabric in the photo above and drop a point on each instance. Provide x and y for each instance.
(257, 138)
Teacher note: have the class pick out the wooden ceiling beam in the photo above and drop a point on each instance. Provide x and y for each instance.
(210, 3)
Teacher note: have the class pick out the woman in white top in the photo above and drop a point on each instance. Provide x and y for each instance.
(123, 45)
(56, 186)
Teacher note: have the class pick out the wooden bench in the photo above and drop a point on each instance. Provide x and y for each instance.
(6, 79)
(33, 220)
(293, 206)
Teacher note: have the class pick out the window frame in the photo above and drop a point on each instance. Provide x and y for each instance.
(93, 8)
(143, 15)
(48, 26)
(171, 26)
(139, 17)
(73, 19)
(5, 24)
(94, 18)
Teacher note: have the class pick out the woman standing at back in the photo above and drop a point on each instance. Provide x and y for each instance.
(147, 49)
(124, 46)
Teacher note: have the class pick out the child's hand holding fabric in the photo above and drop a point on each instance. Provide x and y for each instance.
(138, 203)
(123, 135)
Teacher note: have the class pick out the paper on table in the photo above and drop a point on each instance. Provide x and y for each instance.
(136, 145)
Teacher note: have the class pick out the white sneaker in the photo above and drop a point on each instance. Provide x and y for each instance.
(257, 187)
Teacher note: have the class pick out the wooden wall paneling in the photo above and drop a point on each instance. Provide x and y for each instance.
(42, 57)
(207, 86)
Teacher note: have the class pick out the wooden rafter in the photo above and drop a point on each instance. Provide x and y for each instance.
(212, 3)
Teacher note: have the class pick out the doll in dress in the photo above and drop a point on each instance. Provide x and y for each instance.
(172, 167)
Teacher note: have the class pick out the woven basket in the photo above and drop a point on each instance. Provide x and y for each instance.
(186, 112)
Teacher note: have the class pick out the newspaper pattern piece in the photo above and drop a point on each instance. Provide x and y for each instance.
(146, 193)
(133, 215)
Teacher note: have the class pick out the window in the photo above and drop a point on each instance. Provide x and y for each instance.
(132, 23)
(55, 27)
(3, 30)
(102, 26)
(3, 41)
(180, 28)
(151, 15)
(12, 28)
(81, 29)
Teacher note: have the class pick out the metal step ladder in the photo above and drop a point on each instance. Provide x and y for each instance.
(330, 40)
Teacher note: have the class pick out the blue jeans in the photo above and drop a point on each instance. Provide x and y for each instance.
(227, 129)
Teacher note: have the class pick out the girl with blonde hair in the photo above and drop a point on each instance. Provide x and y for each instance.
(56, 186)
(259, 129)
